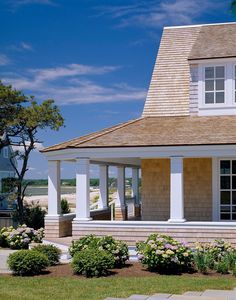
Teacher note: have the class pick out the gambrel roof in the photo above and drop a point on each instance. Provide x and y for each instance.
(168, 93)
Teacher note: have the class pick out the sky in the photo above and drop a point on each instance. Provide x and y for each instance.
(93, 57)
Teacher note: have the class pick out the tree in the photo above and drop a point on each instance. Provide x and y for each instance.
(233, 7)
(33, 117)
(11, 102)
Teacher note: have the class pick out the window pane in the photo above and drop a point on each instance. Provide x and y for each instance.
(220, 84)
(220, 97)
(209, 98)
(220, 72)
(225, 208)
(234, 209)
(233, 182)
(225, 182)
(225, 198)
(225, 167)
(209, 72)
(233, 216)
(225, 216)
(234, 198)
(233, 166)
(209, 85)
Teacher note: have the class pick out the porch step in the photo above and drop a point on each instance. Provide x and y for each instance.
(206, 295)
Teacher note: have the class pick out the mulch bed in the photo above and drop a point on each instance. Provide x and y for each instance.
(133, 269)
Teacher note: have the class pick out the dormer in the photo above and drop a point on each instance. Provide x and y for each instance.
(195, 72)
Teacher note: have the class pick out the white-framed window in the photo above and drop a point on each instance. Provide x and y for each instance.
(5, 152)
(217, 87)
(227, 187)
(214, 84)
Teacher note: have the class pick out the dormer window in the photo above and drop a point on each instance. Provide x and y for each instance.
(217, 87)
(214, 84)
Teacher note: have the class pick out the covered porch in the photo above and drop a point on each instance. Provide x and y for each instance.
(188, 179)
(185, 193)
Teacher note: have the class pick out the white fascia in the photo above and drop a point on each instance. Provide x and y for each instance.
(143, 152)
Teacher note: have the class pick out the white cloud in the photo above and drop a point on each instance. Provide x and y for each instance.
(38, 147)
(26, 46)
(157, 13)
(22, 46)
(71, 84)
(4, 60)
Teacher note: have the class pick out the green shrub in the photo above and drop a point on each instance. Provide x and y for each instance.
(33, 215)
(89, 241)
(234, 271)
(51, 251)
(27, 262)
(92, 262)
(117, 248)
(65, 208)
(201, 261)
(163, 253)
(220, 256)
(222, 266)
(21, 237)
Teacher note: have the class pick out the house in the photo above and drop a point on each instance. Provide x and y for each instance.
(184, 143)
(6, 168)
(6, 171)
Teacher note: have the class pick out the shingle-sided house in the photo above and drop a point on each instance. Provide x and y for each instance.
(184, 143)
(6, 171)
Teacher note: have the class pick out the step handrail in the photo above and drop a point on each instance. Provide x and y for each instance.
(112, 205)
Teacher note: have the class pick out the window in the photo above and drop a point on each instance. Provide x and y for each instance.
(5, 152)
(228, 190)
(214, 84)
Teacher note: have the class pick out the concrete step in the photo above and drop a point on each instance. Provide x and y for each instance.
(138, 297)
(182, 297)
(159, 297)
(230, 295)
(190, 293)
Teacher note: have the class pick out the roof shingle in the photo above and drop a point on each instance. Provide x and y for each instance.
(159, 131)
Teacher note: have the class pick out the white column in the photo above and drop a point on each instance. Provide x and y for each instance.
(54, 188)
(176, 190)
(103, 187)
(135, 184)
(82, 189)
(120, 200)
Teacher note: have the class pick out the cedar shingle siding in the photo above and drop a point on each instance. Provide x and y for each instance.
(168, 93)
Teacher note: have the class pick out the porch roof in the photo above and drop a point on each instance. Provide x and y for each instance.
(159, 131)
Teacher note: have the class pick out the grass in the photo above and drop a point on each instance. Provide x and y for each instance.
(60, 288)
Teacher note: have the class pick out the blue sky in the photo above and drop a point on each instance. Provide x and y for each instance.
(93, 57)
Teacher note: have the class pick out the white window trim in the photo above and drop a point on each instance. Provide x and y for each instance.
(233, 84)
(217, 108)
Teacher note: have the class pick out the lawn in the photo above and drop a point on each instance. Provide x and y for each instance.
(61, 288)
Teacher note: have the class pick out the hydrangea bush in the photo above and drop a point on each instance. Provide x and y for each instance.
(21, 237)
(92, 262)
(163, 253)
(117, 248)
(219, 256)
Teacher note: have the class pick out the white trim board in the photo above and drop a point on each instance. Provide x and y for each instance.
(143, 152)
